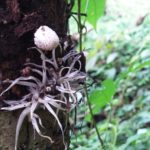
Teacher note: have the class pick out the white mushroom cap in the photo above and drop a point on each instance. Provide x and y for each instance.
(45, 38)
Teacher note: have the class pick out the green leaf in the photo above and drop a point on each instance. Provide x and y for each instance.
(93, 8)
(88, 118)
(101, 97)
(95, 110)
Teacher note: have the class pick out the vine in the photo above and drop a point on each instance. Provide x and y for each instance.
(80, 29)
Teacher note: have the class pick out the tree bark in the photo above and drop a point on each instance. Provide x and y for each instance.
(19, 19)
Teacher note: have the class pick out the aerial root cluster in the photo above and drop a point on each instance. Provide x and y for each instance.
(51, 86)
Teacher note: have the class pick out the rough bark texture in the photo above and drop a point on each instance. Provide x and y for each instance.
(18, 21)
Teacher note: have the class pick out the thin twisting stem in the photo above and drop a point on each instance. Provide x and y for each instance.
(89, 105)
(79, 24)
(54, 59)
(85, 87)
(92, 115)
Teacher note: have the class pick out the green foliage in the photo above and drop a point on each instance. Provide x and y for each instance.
(93, 8)
(118, 67)
(100, 97)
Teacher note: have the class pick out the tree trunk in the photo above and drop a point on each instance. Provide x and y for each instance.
(19, 19)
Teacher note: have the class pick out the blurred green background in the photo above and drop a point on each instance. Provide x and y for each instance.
(118, 76)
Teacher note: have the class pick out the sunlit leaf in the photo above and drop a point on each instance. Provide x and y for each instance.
(93, 8)
(103, 96)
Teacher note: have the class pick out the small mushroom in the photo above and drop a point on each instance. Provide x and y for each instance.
(45, 38)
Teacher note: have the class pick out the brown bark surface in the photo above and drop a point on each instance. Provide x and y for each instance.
(18, 21)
